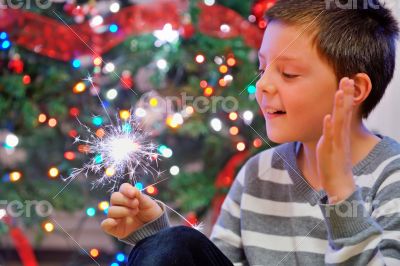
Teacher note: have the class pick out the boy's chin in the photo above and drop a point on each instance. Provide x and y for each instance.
(277, 138)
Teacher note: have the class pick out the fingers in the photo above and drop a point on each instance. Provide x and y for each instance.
(129, 191)
(119, 199)
(327, 129)
(108, 224)
(342, 111)
(121, 212)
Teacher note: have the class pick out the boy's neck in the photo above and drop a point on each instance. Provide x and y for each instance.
(362, 142)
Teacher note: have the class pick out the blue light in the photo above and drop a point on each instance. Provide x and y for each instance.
(139, 186)
(113, 28)
(114, 264)
(162, 148)
(251, 89)
(97, 121)
(3, 35)
(120, 257)
(91, 211)
(6, 178)
(106, 210)
(98, 159)
(6, 44)
(76, 63)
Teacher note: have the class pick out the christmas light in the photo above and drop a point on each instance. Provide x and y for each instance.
(228, 78)
(114, 7)
(208, 91)
(162, 64)
(100, 133)
(5, 45)
(200, 58)
(251, 89)
(73, 133)
(234, 131)
(110, 171)
(76, 63)
(209, 2)
(97, 61)
(42, 118)
(103, 205)
(231, 62)
(26, 79)
(73, 111)
(166, 35)
(140, 112)
(11, 141)
(120, 257)
(139, 185)
(15, 176)
(90, 212)
(109, 67)
(3, 213)
(248, 116)
(151, 190)
(222, 82)
(203, 84)
(53, 172)
(96, 21)
(3, 35)
(174, 170)
(48, 227)
(94, 252)
(52, 122)
(233, 116)
(113, 28)
(223, 69)
(97, 121)
(124, 114)
(225, 28)
(165, 151)
(216, 124)
(69, 155)
(241, 146)
(112, 94)
(153, 102)
(257, 143)
(79, 87)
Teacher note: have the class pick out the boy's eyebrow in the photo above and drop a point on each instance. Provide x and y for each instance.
(281, 57)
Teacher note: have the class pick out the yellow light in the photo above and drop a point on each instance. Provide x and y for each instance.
(52, 122)
(103, 205)
(110, 171)
(171, 122)
(53, 172)
(240, 146)
(94, 252)
(153, 102)
(223, 69)
(208, 91)
(15, 176)
(234, 131)
(150, 190)
(97, 61)
(79, 87)
(48, 227)
(42, 118)
(124, 114)
(233, 116)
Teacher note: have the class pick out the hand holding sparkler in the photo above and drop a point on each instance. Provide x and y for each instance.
(130, 209)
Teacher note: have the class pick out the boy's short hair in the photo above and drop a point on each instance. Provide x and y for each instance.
(354, 36)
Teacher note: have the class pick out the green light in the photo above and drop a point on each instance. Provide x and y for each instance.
(98, 159)
(91, 212)
(251, 89)
(97, 121)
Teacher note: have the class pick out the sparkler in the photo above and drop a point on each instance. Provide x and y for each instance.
(120, 153)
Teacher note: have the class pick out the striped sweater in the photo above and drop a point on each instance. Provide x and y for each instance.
(271, 216)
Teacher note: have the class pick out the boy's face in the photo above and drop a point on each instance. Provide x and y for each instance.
(296, 80)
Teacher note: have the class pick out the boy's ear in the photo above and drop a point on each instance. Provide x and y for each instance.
(363, 86)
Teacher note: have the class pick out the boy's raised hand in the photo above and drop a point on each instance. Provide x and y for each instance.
(129, 210)
(334, 149)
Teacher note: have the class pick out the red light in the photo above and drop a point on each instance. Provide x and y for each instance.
(73, 133)
(73, 111)
(69, 155)
(26, 79)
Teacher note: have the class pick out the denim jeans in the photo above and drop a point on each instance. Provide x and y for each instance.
(179, 245)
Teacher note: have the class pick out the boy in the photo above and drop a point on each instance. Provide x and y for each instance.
(329, 194)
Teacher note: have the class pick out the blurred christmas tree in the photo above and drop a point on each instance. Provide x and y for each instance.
(185, 69)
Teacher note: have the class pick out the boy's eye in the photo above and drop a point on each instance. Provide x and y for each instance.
(289, 76)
